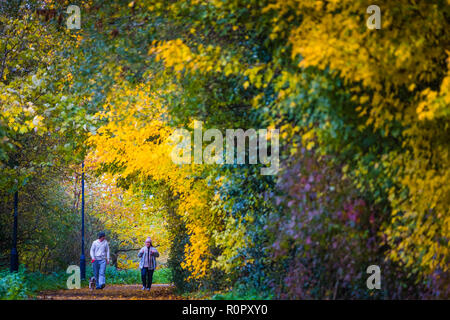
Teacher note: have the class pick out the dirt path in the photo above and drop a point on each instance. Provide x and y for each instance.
(114, 292)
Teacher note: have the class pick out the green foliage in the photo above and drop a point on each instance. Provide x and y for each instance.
(49, 224)
(24, 284)
(12, 285)
(162, 275)
(37, 281)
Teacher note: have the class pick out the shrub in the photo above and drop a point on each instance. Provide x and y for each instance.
(162, 275)
(13, 285)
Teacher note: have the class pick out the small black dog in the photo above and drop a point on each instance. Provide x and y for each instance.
(92, 283)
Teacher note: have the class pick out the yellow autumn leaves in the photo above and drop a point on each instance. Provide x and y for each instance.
(135, 139)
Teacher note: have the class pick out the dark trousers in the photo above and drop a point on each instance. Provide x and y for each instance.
(147, 277)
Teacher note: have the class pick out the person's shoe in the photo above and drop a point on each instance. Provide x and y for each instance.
(143, 288)
(148, 289)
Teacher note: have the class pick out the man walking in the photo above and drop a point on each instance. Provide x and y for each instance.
(100, 257)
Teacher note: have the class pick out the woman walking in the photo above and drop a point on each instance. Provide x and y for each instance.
(148, 263)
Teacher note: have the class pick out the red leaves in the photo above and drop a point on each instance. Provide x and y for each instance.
(321, 231)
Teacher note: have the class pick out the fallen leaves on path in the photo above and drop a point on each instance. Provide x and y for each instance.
(114, 292)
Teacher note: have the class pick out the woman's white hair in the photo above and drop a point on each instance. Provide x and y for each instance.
(148, 240)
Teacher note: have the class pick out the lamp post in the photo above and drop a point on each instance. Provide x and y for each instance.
(82, 258)
(14, 254)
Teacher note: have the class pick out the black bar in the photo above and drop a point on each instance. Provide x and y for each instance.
(243, 310)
